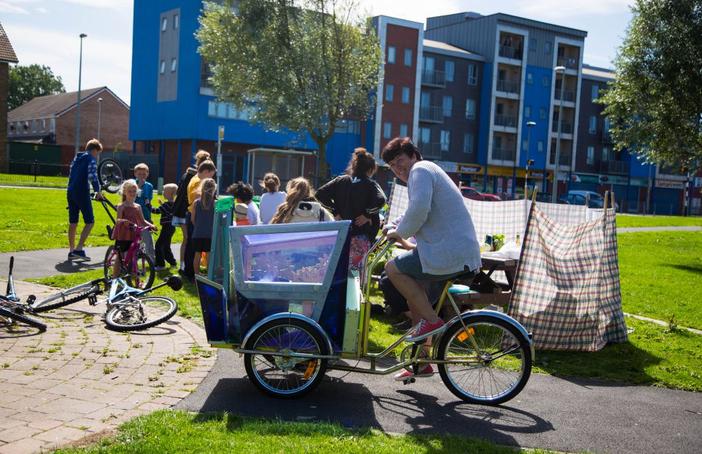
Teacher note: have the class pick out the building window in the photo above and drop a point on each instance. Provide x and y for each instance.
(470, 109)
(403, 130)
(547, 48)
(590, 155)
(445, 140)
(405, 95)
(542, 113)
(530, 79)
(164, 24)
(162, 68)
(527, 111)
(540, 146)
(532, 44)
(449, 69)
(595, 92)
(606, 125)
(173, 64)
(525, 145)
(592, 125)
(389, 92)
(387, 130)
(545, 81)
(468, 143)
(447, 106)
(472, 74)
(605, 154)
(176, 21)
(424, 135)
(211, 109)
(391, 54)
(408, 57)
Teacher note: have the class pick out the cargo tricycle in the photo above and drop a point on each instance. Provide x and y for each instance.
(283, 297)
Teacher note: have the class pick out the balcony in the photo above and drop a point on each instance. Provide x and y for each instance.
(566, 128)
(509, 121)
(568, 95)
(511, 52)
(568, 62)
(430, 150)
(508, 86)
(431, 114)
(614, 167)
(503, 153)
(433, 77)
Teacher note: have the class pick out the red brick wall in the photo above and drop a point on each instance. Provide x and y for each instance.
(4, 82)
(114, 123)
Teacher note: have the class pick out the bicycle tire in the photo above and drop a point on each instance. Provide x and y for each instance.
(145, 268)
(22, 318)
(110, 255)
(70, 296)
(122, 316)
(500, 335)
(110, 175)
(280, 334)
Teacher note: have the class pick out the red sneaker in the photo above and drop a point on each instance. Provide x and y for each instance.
(426, 371)
(425, 329)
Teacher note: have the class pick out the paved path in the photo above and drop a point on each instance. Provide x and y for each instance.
(79, 378)
(683, 228)
(551, 412)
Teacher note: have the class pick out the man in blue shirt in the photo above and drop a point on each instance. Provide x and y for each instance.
(83, 173)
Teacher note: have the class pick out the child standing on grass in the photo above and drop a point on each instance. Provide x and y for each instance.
(163, 243)
(128, 213)
(202, 219)
(145, 192)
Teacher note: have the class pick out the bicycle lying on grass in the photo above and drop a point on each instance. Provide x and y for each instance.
(128, 309)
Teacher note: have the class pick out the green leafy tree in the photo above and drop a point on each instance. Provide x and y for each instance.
(27, 82)
(297, 65)
(655, 101)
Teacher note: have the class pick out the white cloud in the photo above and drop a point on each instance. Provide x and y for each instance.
(41, 10)
(558, 9)
(105, 62)
(103, 4)
(13, 6)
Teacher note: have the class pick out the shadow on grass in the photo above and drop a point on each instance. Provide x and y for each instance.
(623, 363)
(690, 268)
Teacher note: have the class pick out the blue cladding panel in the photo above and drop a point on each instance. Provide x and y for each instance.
(536, 96)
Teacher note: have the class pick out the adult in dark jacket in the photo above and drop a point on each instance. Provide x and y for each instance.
(180, 211)
(356, 197)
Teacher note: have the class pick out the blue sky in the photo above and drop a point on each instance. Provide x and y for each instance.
(46, 31)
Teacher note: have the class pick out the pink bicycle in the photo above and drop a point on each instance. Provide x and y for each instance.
(135, 264)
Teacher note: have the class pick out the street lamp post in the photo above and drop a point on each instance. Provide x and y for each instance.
(80, 70)
(554, 195)
(530, 124)
(99, 100)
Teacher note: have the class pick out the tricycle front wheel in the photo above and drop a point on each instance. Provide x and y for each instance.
(285, 375)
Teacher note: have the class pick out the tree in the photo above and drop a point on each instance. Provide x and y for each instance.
(655, 101)
(301, 65)
(27, 82)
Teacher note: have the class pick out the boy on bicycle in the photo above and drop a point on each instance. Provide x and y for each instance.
(446, 242)
(83, 173)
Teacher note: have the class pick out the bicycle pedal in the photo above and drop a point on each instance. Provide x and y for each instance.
(92, 300)
(408, 381)
(31, 299)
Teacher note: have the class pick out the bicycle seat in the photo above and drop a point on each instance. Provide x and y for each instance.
(460, 289)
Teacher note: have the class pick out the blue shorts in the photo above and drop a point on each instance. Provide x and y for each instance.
(408, 263)
(79, 203)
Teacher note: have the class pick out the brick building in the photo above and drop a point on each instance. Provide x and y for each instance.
(7, 56)
(52, 120)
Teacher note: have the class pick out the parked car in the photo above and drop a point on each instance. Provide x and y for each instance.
(472, 193)
(595, 200)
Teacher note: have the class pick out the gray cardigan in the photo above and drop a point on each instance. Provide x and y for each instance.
(440, 222)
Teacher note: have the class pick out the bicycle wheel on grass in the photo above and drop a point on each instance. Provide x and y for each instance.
(286, 376)
(490, 360)
(17, 315)
(68, 296)
(140, 313)
(143, 276)
(111, 255)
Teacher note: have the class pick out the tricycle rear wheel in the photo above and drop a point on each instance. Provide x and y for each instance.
(286, 376)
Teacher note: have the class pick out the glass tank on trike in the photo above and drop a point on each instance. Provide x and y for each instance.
(283, 296)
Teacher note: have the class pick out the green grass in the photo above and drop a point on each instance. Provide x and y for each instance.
(177, 431)
(36, 219)
(627, 220)
(29, 180)
(661, 275)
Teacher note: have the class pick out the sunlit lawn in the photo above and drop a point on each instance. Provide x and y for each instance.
(628, 220)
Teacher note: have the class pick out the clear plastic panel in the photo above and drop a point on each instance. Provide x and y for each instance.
(298, 257)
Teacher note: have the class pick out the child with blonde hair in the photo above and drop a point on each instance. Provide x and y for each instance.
(163, 243)
(145, 193)
(300, 204)
(128, 213)
(202, 219)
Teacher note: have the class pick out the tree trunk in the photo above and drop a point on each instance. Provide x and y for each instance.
(322, 167)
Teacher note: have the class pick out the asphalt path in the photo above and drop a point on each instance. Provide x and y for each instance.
(551, 412)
